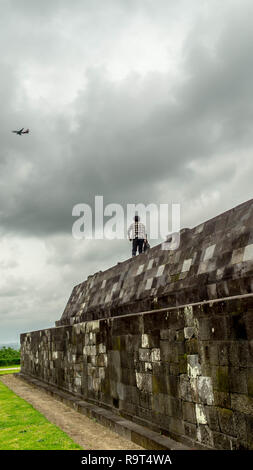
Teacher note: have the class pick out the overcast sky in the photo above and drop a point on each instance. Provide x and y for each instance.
(137, 100)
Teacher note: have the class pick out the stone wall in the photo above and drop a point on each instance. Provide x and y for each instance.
(187, 371)
(213, 260)
(164, 339)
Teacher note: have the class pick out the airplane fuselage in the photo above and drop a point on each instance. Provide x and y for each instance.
(21, 132)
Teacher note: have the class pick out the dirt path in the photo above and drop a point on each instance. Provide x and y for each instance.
(85, 432)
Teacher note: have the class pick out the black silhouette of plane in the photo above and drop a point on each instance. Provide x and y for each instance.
(21, 131)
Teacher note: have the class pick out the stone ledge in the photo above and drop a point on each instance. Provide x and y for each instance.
(134, 432)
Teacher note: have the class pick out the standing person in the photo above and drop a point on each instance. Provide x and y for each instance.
(137, 234)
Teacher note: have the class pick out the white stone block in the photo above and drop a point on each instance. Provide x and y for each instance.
(200, 414)
(155, 355)
(186, 265)
(150, 264)
(248, 253)
(160, 270)
(205, 390)
(101, 373)
(145, 341)
(237, 256)
(101, 348)
(92, 325)
(114, 287)
(209, 252)
(188, 315)
(189, 332)
(149, 283)
(193, 366)
(140, 269)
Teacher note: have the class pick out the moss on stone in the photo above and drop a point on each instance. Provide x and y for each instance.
(175, 277)
(250, 386)
(222, 379)
(106, 386)
(225, 412)
(192, 346)
(155, 385)
(182, 358)
(116, 343)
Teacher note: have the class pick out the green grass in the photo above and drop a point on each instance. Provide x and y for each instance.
(3, 372)
(9, 367)
(24, 428)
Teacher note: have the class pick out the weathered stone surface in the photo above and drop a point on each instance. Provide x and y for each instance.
(213, 262)
(185, 363)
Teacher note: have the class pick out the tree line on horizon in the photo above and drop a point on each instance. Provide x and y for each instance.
(9, 356)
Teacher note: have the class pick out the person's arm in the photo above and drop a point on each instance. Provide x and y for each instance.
(129, 231)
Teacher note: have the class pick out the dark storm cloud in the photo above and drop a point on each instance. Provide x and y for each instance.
(133, 134)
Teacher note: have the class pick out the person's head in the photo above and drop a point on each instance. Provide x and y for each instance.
(136, 218)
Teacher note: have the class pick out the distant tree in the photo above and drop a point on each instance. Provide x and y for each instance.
(9, 356)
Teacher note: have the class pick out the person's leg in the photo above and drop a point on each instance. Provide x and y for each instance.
(140, 245)
(134, 248)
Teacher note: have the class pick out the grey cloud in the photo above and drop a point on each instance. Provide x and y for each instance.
(155, 138)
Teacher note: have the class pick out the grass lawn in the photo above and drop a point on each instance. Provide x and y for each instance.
(2, 372)
(24, 428)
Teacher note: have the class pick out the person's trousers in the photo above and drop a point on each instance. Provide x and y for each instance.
(137, 244)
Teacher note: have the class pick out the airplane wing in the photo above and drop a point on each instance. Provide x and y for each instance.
(21, 129)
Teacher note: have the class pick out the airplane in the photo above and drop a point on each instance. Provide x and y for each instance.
(21, 131)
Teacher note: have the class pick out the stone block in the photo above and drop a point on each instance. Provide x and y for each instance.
(240, 422)
(148, 367)
(144, 382)
(189, 316)
(193, 366)
(200, 414)
(212, 418)
(204, 329)
(175, 425)
(169, 352)
(222, 399)
(159, 384)
(205, 390)
(249, 421)
(205, 435)
(248, 253)
(223, 442)
(227, 421)
(189, 412)
(185, 388)
(146, 400)
(186, 265)
(223, 353)
(144, 355)
(209, 252)
(155, 355)
(190, 430)
(249, 378)
(189, 332)
(192, 346)
(173, 384)
(149, 341)
(220, 377)
(237, 380)
(242, 403)
(158, 403)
